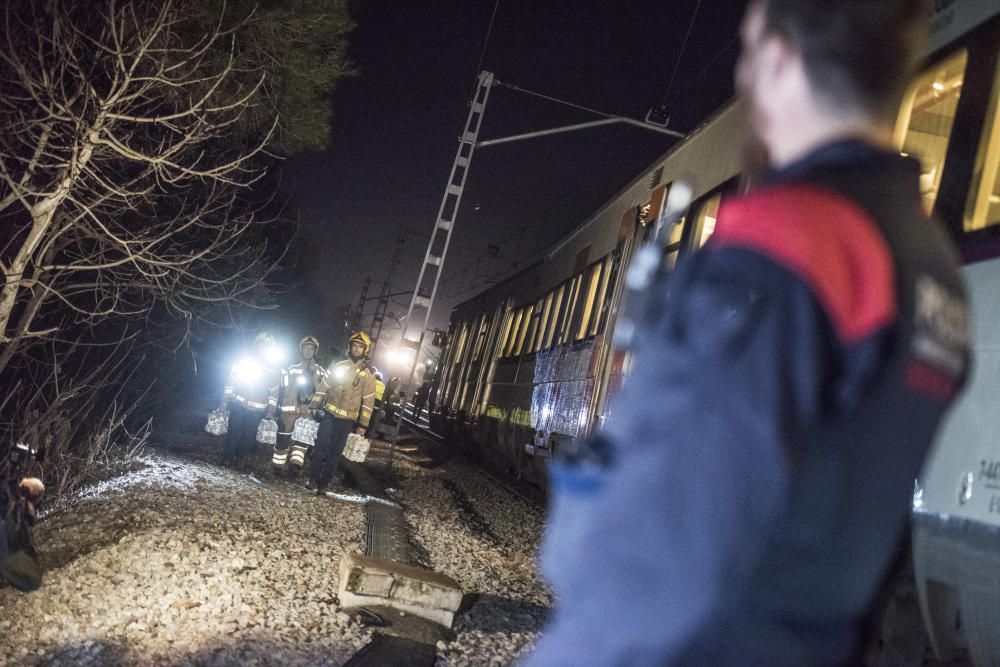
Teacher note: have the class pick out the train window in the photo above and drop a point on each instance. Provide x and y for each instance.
(557, 303)
(984, 201)
(515, 327)
(565, 311)
(589, 295)
(526, 322)
(508, 321)
(673, 246)
(708, 213)
(926, 119)
(481, 337)
(546, 324)
(569, 313)
(460, 344)
(602, 293)
(535, 330)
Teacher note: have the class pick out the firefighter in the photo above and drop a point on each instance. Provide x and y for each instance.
(251, 395)
(378, 415)
(343, 402)
(390, 399)
(800, 363)
(298, 384)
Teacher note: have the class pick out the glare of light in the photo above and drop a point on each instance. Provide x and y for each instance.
(918, 496)
(302, 380)
(274, 354)
(429, 362)
(583, 419)
(340, 373)
(399, 356)
(546, 412)
(938, 86)
(247, 370)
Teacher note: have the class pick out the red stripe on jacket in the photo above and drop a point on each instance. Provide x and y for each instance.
(830, 242)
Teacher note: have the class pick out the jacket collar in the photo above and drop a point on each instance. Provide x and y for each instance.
(844, 154)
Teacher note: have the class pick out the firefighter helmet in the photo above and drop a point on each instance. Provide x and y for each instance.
(361, 337)
(309, 340)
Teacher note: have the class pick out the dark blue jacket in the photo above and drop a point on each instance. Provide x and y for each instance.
(754, 480)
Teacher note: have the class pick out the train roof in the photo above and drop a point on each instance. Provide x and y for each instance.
(596, 215)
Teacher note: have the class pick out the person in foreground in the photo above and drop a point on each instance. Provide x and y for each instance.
(800, 365)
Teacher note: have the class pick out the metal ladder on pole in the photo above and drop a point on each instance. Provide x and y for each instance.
(422, 301)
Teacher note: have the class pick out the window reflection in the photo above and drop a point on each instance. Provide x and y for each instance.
(705, 222)
(984, 197)
(926, 119)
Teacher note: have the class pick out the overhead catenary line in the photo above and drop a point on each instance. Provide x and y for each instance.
(680, 56)
(486, 41)
(543, 96)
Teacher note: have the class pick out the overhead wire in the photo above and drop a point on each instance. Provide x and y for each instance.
(486, 41)
(551, 98)
(680, 56)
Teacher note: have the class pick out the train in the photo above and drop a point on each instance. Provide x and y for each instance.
(529, 367)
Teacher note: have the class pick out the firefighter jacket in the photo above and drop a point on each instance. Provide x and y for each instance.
(253, 384)
(347, 391)
(299, 383)
(765, 446)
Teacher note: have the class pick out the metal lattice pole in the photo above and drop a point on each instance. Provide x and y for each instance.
(422, 301)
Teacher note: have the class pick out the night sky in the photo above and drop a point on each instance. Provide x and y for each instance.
(397, 122)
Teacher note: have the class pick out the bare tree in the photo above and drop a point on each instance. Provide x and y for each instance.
(134, 141)
(120, 180)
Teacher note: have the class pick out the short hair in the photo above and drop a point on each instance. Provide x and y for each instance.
(858, 54)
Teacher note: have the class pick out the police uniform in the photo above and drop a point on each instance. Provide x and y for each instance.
(800, 365)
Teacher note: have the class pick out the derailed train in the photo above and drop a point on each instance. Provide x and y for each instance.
(529, 365)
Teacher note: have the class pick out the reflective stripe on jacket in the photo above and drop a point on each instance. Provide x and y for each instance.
(298, 385)
(257, 389)
(347, 391)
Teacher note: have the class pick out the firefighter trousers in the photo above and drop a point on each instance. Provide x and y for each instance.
(242, 437)
(330, 443)
(285, 449)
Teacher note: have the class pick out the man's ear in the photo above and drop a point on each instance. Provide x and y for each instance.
(774, 58)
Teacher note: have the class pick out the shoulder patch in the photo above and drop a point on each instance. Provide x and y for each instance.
(831, 243)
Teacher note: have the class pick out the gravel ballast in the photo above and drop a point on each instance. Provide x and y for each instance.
(477, 531)
(183, 562)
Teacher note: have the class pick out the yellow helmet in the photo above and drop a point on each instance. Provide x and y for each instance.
(361, 337)
(309, 340)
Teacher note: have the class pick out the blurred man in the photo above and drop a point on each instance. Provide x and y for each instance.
(800, 368)
(298, 384)
(251, 394)
(343, 402)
